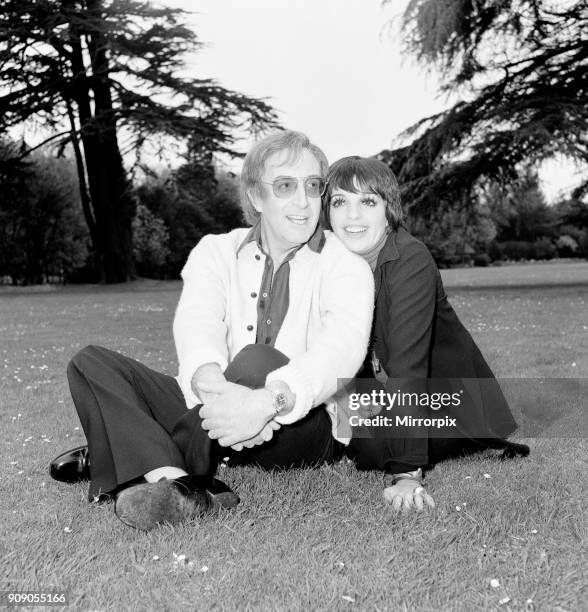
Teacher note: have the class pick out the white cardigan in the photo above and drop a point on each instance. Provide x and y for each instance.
(325, 332)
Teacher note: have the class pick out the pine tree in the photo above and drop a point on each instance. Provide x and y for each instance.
(94, 71)
(519, 69)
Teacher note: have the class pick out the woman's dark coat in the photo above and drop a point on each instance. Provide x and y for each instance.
(416, 336)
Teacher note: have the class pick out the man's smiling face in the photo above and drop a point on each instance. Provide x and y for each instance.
(288, 222)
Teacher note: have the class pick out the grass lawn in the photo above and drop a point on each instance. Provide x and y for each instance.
(304, 539)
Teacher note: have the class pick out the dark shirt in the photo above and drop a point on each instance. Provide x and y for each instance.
(273, 297)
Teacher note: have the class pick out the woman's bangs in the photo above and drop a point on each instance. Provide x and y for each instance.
(354, 179)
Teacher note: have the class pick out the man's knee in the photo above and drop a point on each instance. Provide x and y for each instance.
(253, 363)
(84, 359)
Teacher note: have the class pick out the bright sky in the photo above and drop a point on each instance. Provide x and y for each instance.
(330, 67)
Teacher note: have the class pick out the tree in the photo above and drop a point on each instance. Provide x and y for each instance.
(455, 234)
(150, 242)
(519, 69)
(192, 201)
(99, 71)
(519, 209)
(42, 233)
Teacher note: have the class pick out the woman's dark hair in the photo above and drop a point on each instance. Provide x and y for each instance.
(364, 175)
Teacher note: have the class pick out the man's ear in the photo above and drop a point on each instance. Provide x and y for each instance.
(255, 200)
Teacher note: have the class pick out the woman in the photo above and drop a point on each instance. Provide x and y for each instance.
(418, 345)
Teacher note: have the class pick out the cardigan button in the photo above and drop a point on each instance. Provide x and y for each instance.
(250, 328)
(257, 257)
(253, 294)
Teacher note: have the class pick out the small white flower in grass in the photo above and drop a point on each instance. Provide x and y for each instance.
(348, 598)
(155, 557)
(67, 529)
(204, 569)
(458, 508)
(494, 583)
(534, 531)
(504, 600)
(76, 429)
(487, 476)
(573, 364)
(20, 472)
(14, 463)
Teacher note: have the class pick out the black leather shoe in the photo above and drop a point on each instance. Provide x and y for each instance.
(145, 506)
(512, 449)
(72, 466)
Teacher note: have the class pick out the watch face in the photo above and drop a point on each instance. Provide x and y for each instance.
(280, 402)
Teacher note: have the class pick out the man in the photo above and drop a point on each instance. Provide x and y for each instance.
(268, 320)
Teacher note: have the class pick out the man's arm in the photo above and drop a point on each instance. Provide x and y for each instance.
(200, 333)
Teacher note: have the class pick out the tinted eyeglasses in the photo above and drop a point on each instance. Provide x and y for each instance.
(285, 186)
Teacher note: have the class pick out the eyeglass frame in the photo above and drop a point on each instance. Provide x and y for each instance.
(298, 178)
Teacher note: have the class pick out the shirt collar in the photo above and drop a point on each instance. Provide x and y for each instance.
(315, 243)
(253, 235)
(389, 251)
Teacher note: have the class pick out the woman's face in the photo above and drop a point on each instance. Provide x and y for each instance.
(358, 219)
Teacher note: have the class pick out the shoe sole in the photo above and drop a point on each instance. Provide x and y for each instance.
(227, 499)
(148, 505)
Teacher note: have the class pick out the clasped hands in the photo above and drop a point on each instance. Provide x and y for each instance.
(233, 414)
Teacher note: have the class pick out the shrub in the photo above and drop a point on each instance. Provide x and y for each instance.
(191, 204)
(482, 260)
(567, 246)
(517, 250)
(43, 236)
(150, 242)
(544, 249)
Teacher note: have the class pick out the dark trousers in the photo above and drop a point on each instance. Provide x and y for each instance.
(135, 420)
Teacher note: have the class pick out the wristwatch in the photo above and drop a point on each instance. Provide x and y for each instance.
(280, 401)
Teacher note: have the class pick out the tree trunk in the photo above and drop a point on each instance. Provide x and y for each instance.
(112, 204)
(81, 169)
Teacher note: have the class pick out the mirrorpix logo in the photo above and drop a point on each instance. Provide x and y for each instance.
(382, 399)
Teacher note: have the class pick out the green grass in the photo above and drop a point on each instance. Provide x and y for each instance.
(304, 539)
